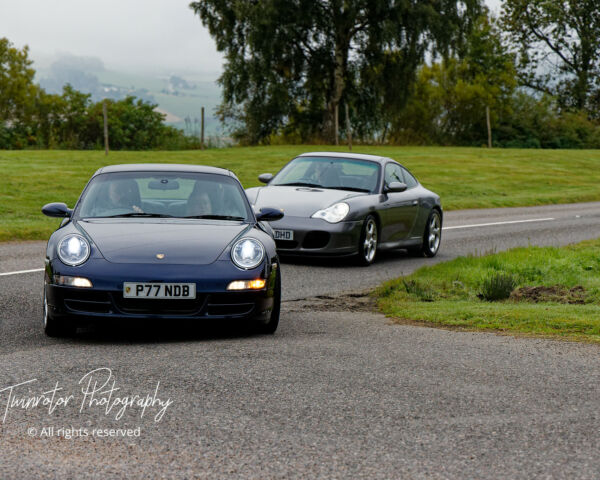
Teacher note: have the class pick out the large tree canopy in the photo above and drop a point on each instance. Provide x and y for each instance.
(290, 63)
(559, 43)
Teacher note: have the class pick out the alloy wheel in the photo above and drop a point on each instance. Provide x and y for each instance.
(435, 233)
(370, 244)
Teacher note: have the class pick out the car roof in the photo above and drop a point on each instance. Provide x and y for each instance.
(355, 156)
(163, 167)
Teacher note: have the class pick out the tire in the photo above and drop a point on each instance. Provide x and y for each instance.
(367, 244)
(54, 327)
(270, 326)
(432, 236)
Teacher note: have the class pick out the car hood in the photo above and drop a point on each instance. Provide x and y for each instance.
(300, 201)
(141, 240)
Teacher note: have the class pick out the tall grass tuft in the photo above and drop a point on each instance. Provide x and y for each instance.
(497, 286)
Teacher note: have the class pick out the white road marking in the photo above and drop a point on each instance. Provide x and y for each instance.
(444, 228)
(21, 271)
(499, 223)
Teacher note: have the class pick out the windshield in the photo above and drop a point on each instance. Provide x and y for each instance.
(157, 194)
(335, 173)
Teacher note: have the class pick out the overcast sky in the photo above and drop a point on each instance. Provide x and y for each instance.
(125, 34)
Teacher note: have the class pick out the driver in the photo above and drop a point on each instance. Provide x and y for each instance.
(199, 202)
(315, 172)
(124, 194)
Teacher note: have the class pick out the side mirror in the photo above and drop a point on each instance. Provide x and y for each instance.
(395, 187)
(268, 214)
(265, 177)
(59, 210)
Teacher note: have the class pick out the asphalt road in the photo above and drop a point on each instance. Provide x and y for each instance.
(334, 394)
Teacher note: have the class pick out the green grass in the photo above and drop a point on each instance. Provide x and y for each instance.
(464, 177)
(450, 294)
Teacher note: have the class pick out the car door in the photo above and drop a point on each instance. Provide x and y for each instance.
(399, 209)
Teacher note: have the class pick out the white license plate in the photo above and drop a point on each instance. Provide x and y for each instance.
(159, 290)
(283, 234)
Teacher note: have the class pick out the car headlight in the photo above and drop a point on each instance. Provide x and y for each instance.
(247, 253)
(73, 250)
(334, 214)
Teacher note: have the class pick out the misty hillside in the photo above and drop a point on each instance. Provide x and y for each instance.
(179, 95)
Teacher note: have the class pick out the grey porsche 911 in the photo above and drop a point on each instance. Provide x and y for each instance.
(350, 205)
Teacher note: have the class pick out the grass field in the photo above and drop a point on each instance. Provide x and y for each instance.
(553, 292)
(464, 177)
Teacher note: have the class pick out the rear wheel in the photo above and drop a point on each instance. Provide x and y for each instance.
(54, 327)
(270, 325)
(432, 236)
(367, 244)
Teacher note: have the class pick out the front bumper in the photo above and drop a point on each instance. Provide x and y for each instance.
(92, 303)
(105, 299)
(314, 236)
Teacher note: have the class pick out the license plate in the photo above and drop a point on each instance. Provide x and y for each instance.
(284, 234)
(159, 290)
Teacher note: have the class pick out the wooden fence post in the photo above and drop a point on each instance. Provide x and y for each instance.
(105, 115)
(336, 124)
(489, 126)
(202, 129)
(348, 129)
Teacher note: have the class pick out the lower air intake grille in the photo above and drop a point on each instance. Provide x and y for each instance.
(286, 244)
(143, 306)
(316, 239)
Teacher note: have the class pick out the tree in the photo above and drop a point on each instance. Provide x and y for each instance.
(132, 125)
(291, 63)
(74, 117)
(448, 102)
(17, 90)
(559, 45)
(48, 122)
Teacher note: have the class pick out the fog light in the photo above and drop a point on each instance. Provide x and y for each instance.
(247, 284)
(72, 281)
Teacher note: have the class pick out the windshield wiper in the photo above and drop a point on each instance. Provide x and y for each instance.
(137, 214)
(216, 217)
(352, 189)
(298, 184)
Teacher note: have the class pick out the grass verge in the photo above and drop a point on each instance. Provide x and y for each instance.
(463, 177)
(551, 292)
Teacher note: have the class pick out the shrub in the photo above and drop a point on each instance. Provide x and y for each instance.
(497, 286)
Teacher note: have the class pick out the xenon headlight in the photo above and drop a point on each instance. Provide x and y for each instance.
(73, 250)
(247, 253)
(334, 214)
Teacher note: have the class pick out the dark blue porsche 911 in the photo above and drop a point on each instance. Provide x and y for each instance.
(161, 242)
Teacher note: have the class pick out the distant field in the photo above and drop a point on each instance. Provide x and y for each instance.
(188, 103)
(464, 177)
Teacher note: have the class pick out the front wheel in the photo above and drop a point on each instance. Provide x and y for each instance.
(270, 325)
(367, 244)
(432, 237)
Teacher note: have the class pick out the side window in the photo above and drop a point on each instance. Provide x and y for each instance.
(409, 179)
(393, 173)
